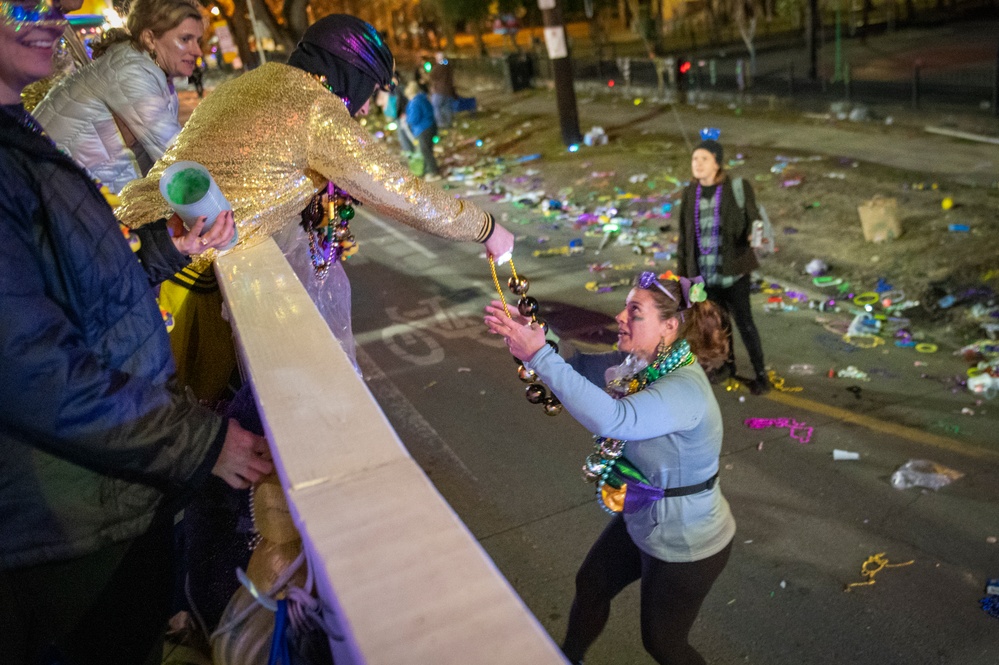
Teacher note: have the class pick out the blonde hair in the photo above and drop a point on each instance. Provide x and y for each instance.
(157, 16)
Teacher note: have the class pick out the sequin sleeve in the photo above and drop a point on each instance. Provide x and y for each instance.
(142, 203)
(345, 153)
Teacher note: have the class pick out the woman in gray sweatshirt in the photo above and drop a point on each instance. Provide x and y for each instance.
(658, 434)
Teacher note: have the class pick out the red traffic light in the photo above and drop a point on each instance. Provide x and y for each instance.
(684, 67)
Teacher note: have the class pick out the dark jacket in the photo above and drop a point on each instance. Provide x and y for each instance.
(94, 437)
(737, 257)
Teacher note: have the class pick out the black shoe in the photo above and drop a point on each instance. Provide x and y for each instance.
(721, 375)
(760, 385)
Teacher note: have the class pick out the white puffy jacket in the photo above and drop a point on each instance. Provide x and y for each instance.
(77, 113)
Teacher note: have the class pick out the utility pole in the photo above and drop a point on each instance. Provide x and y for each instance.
(558, 53)
(811, 39)
(262, 58)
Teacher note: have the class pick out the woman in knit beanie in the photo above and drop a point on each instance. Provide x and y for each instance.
(715, 225)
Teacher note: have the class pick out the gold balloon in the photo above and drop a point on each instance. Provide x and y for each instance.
(270, 512)
(269, 560)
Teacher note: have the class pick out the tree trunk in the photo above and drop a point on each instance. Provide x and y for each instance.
(811, 39)
(480, 44)
(239, 23)
(865, 18)
(296, 17)
(747, 30)
(282, 37)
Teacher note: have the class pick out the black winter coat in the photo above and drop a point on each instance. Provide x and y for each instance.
(94, 437)
(737, 256)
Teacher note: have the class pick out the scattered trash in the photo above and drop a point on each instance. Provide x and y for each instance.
(841, 455)
(798, 431)
(863, 324)
(596, 136)
(859, 113)
(947, 203)
(778, 383)
(990, 603)
(816, 268)
(873, 565)
(923, 473)
(802, 369)
(984, 379)
(959, 228)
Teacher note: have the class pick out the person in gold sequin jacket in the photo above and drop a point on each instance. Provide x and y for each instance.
(274, 137)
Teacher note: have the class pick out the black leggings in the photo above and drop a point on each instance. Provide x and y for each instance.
(672, 594)
(734, 302)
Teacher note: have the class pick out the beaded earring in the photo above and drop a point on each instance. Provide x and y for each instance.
(536, 392)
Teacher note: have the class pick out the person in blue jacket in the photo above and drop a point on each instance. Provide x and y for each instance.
(419, 128)
(99, 448)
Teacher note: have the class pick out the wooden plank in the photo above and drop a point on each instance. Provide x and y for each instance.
(407, 580)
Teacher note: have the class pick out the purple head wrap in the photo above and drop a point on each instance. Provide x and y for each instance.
(356, 42)
(350, 54)
(691, 290)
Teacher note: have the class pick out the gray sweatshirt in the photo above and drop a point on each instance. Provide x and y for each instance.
(673, 430)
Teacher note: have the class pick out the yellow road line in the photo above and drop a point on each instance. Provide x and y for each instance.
(910, 433)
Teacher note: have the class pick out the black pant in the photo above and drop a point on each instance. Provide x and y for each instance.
(734, 302)
(111, 606)
(672, 594)
(426, 147)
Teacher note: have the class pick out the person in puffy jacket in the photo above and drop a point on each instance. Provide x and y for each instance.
(296, 138)
(98, 446)
(118, 115)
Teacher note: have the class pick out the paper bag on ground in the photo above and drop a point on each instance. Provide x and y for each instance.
(879, 219)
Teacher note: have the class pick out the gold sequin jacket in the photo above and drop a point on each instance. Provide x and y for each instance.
(271, 138)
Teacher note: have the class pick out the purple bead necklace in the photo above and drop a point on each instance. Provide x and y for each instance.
(713, 247)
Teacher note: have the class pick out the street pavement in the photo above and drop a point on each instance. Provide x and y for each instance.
(806, 523)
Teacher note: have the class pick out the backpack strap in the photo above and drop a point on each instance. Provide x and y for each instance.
(740, 192)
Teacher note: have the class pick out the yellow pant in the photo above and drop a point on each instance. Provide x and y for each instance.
(201, 340)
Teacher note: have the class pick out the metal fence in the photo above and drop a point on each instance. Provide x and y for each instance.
(924, 86)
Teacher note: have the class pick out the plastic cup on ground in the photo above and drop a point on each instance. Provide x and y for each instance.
(840, 455)
(192, 192)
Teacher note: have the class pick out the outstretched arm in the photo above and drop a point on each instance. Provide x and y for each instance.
(345, 153)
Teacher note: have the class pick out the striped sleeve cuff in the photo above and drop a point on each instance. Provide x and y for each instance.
(488, 225)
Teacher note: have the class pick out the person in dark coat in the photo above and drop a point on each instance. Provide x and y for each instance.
(98, 446)
(714, 244)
